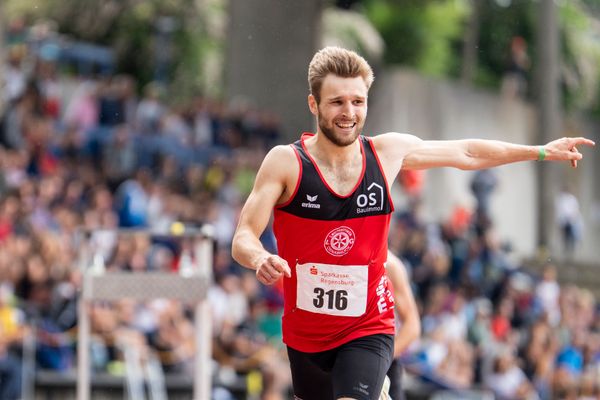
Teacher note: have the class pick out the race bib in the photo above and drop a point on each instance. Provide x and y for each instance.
(332, 289)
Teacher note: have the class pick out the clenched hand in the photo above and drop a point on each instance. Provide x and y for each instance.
(271, 269)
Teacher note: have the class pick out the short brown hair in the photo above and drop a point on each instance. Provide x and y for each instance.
(337, 61)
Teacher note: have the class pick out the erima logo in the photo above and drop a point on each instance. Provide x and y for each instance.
(311, 202)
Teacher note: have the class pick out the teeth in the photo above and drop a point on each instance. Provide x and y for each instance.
(346, 125)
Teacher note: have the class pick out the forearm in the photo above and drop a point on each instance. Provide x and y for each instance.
(247, 249)
(470, 154)
(408, 333)
(481, 154)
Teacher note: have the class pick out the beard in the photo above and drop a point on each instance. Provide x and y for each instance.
(338, 140)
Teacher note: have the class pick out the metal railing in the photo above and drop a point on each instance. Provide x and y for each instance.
(190, 284)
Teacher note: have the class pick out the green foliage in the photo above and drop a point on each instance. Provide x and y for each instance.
(427, 35)
(581, 55)
(129, 28)
(498, 26)
(422, 34)
(447, 18)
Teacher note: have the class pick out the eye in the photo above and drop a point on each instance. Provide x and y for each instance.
(358, 102)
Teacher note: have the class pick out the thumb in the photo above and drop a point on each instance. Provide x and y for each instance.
(286, 269)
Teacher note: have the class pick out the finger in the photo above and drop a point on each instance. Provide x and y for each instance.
(584, 141)
(281, 266)
(577, 156)
(286, 270)
(574, 154)
(265, 276)
(266, 279)
(275, 270)
(263, 280)
(268, 265)
(275, 275)
(261, 277)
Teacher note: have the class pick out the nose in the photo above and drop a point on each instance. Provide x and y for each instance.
(348, 110)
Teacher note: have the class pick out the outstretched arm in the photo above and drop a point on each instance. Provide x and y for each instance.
(471, 154)
(405, 305)
(246, 247)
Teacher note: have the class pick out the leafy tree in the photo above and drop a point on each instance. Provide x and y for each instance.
(499, 25)
(428, 35)
(423, 34)
(581, 54)
(130, 27)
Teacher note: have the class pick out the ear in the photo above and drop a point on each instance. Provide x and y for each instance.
(312, 105)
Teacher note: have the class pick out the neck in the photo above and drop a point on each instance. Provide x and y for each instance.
(329, 153)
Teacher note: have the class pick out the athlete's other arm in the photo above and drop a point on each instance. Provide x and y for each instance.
(269, 187)
(406, 306)
(471, 154)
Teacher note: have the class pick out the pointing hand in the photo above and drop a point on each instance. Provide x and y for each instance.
(566, 149)
(271, 269)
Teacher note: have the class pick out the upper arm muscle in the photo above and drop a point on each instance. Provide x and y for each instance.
(272, 179)
(409, 152)
(436, 153)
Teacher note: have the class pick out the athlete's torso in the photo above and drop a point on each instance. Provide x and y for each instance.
(336, 247)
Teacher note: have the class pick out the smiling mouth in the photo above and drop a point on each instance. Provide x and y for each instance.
(346, 125)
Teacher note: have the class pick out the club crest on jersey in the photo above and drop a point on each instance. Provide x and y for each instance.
(339, 241)
(311, 202)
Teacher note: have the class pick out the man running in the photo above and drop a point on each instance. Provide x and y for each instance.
(332, 207)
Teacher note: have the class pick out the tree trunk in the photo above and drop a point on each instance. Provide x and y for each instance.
(469, 54)
(549, 113)
(270, 45)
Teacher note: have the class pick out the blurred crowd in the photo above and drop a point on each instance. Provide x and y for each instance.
(89, 152)
(487, 321)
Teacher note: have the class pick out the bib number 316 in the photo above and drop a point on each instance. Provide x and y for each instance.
(332, 299)
(339, 290)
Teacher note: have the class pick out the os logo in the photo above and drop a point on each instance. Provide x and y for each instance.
(373, 197)
(339, 241)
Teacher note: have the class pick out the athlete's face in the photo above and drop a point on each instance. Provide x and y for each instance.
(343, 108)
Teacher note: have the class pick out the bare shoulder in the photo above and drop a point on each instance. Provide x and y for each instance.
(280, 164)
(282, 150)
(395, 144)
(280, 157)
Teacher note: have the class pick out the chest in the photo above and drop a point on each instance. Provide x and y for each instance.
(342, 178)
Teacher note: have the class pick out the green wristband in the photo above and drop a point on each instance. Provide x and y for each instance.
(541, 153)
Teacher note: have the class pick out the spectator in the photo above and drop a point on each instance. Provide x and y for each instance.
(501, 321)
(547, 293)
(569, 220)
(483, 184)
(14, 76)
(515, 82)
(507, 380)
(150, 110)
(11, 335)
(132, 200)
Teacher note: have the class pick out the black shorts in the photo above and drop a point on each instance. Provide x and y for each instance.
(355, 369)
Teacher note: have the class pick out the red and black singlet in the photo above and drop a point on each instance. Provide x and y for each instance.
(336, 247)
